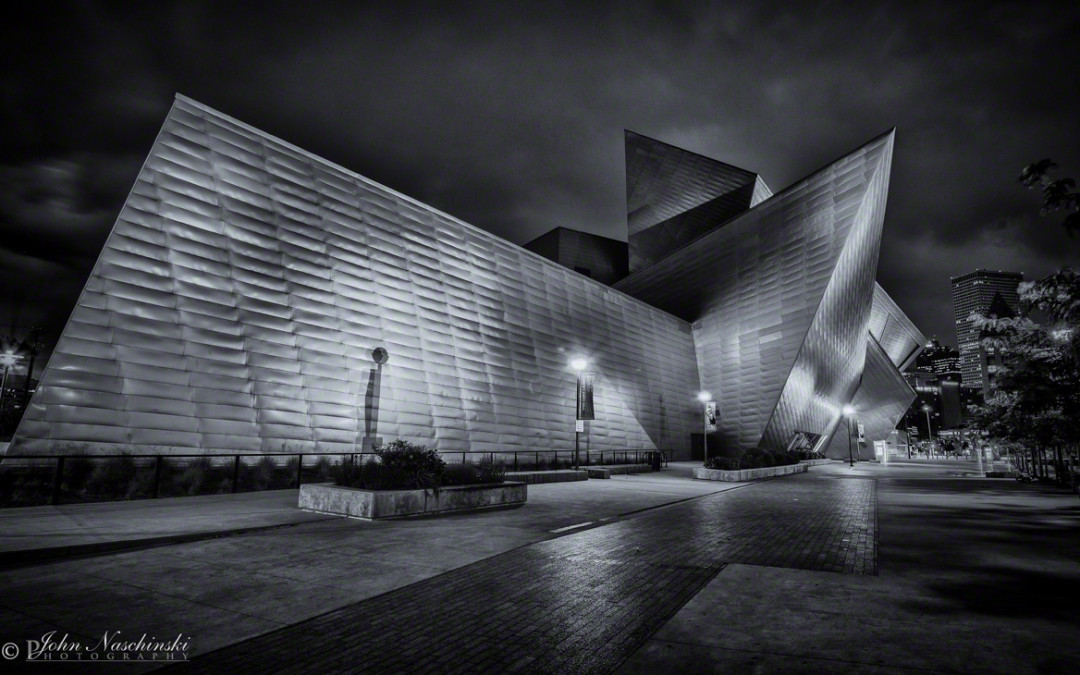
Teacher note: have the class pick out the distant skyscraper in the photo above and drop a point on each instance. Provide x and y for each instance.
(938, 358)
(980, 291)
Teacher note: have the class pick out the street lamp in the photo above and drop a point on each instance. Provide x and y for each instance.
(578, 364)
(849, 412)
(929, 429)
(705, 397)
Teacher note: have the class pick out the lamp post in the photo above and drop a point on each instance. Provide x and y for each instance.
(578, 364)
(849, 412)
(705, 397)
(929, 430)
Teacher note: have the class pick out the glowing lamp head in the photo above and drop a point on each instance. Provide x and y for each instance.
(849, 410)
(579, 364)
(926, 408)
(8, 359)
(704, 397)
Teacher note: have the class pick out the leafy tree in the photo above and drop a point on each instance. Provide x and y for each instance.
(1057, 195)
(1034, 399)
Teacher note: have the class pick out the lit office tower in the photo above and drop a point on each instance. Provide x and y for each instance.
(979, 291)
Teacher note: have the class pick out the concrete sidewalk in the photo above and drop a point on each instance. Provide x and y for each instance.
(45, 533)
(38, 533)
(223, 590)
(974, 576)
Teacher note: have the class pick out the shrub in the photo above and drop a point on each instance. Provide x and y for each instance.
(113, 477)
(784, 459)
(405, 466)
(401, 466)
(754, 458)
(322, 471)
(411, 466)
(724, 463)
(77, 471)
(201, 477)
(474, 474)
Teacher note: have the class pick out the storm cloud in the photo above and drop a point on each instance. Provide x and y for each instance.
(511, 116)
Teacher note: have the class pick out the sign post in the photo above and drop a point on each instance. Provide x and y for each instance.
(585, 409)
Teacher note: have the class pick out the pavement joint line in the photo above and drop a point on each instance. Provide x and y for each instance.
(572, 527)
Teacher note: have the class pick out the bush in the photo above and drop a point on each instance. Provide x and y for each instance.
(754, 458)
(113, 477)
(77, 472)
(723, 463)
(404, 466)
(400, 466)
(201, 477)
(412, 467)
(474, 474)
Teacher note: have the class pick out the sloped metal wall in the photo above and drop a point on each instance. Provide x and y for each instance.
(673, 196)
(780, 297)
(881, 400)
(894, 331)
(238, 299)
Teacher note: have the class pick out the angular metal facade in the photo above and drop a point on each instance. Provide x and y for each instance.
(674, 196)
(781, 298)
(238, 299)
(881, 400)
(894, 331)
(237, 302)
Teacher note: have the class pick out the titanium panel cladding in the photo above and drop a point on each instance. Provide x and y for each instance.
(780, 297)
(242, 290)
(894, 331)
(881, 400)
(674, 196)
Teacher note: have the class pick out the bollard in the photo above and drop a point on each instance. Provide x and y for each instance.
(57, 479)
(235, 473)
(157, 476)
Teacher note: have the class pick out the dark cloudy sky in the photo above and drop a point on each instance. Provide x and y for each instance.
(511, 115)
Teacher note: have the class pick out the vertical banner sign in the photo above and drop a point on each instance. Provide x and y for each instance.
(710, 416)
(579, 426)
(862, 437)
(585, 397)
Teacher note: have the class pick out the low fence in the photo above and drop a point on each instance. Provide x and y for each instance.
(30, 480)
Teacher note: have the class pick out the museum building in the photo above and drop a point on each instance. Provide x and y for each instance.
(246, 284)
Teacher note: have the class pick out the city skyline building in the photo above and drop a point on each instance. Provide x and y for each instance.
(977, 292)
(246, 285)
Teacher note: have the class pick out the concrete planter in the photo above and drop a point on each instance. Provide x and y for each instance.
(815, 462)
(748, 474)
(617, 470)
(559, 476)
(377, 504)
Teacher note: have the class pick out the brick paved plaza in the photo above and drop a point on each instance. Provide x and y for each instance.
(914, 567)
(580, 603)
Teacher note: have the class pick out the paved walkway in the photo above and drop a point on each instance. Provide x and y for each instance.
(226, 589)
(76, 529)
(580, 603)
(975, 576)
(640, 574)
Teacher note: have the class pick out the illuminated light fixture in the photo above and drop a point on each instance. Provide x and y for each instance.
(849, 410)
(579, 364)
(704, 396)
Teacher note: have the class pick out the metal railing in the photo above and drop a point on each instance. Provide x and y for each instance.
(236, 472)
